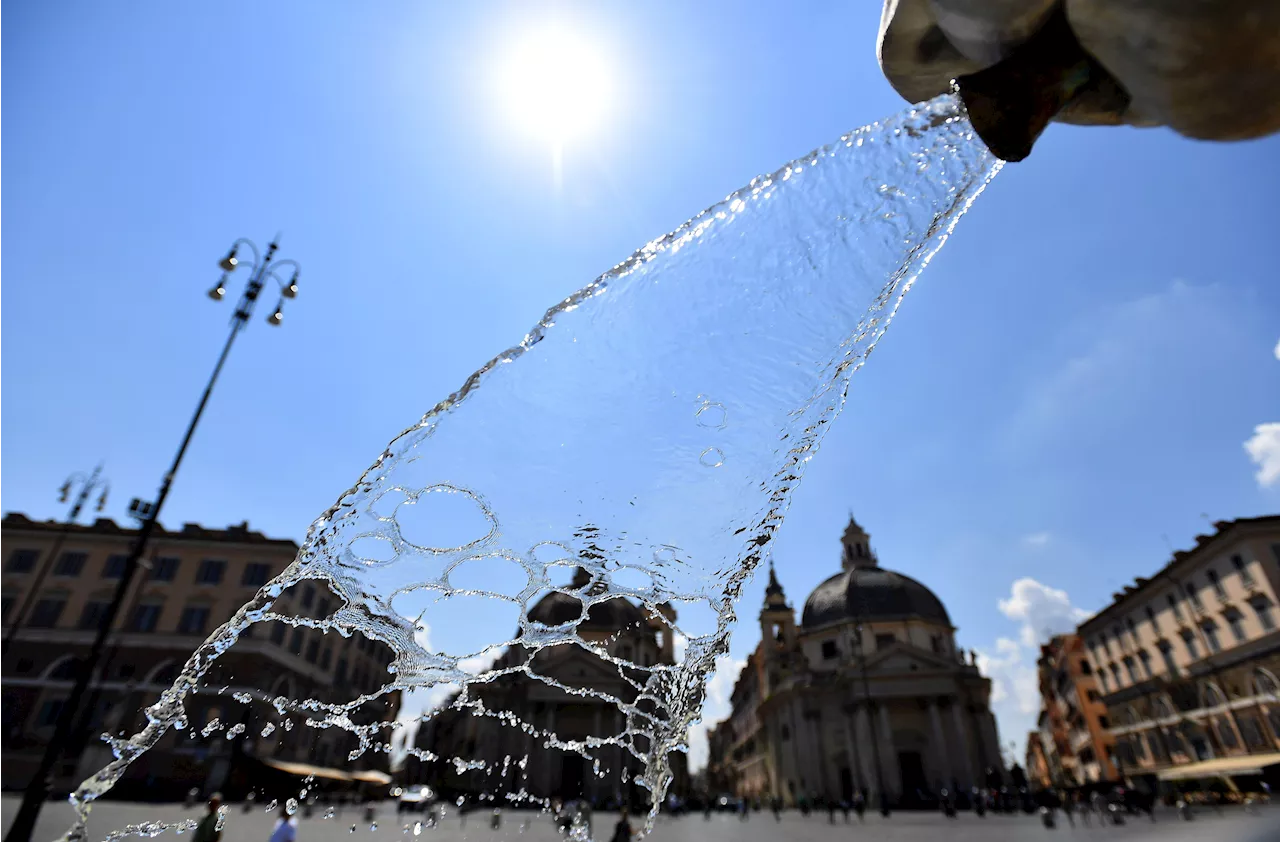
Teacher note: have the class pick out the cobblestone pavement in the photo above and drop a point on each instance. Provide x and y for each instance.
(522, 826)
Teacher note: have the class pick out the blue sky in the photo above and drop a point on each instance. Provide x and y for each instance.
(1064, 396)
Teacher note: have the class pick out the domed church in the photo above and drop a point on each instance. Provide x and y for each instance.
(868, 693)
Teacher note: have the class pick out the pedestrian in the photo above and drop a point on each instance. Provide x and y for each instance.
(286, 830)
(622, 830)
(207, 829)
(844, 808)
(1067, 804)
(776, 804)
(860, 805)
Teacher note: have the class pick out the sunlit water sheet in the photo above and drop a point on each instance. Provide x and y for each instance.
(649, 429)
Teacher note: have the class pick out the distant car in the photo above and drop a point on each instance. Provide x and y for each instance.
(416, 799)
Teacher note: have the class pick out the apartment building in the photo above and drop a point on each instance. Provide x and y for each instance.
(58, 580)
(1074, 717)
(1187, 660)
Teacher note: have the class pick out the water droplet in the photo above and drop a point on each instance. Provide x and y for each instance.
(275, 802)
(267, 729)
(373, 826)
(712, 457)
(417, 828)
(291, 806)
(353, 828)
(712, 415)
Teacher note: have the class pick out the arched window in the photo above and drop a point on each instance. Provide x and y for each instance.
(1132, 716)
(1265, 684)
(1161, 707)
(63, 669)
(1211, 695)
(164, 673)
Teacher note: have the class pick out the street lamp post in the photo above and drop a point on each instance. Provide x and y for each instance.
(261, 270)
(88, 485)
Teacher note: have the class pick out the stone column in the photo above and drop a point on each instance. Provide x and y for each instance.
(820, 754)
(798, 766)
(967, 755)
(597, 731)
(850, 747)
(945, 770)
(549, 779)
(888, 753)
(863, 735)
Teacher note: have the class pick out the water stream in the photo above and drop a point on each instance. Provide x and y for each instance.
(649, 429)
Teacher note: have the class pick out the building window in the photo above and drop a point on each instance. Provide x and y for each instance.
(884, 641)
(1115, 674)
(1133, 633)
(1227, 734)
(277, 633)
(70, 564)
(1166, 652)
(295, 642)
(1085, 668)
(1262, 607)
(1102, 677)
(1251, 730)
(308, 596)
(145, 617)
(1092, 695)
(1235, 620)
(1130, 667)
(255, 574)
(1189, 640)
(210, 572)
(1218, 589)
(322, 609)
(313, 651)
(1145, 659)
(1151, 618)
(49, 713)
(1210, 630)
(829, 649)
(1243, 569)
(93, 614)
(113, 567)
(164, 568)
(1189, 588)
(1104, 722)
(340, 671)
(1173, 605)
(326, 657)
(22, 561)
(46, 612)
(194, 619)
(786, 732)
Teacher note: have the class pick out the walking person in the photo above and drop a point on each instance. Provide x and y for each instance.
(622, 830)
(286, 830)
(207, 829)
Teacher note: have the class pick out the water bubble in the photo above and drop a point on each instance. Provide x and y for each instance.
(444, 518)
(712, 457)
(712, 415)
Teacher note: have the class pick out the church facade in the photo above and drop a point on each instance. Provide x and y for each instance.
(867, 693)
(568, 694)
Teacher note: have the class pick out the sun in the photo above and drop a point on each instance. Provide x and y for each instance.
(556, 85)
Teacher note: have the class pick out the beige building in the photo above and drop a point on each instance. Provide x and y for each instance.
(197, 578)
(1187, 660)
(868, 693)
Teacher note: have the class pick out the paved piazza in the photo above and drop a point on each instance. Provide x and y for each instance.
(256, 826)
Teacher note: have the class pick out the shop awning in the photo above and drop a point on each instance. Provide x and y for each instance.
(302, 770)
(1249, 764)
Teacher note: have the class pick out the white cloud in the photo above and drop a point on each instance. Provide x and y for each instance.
(1040, 611)
(715, 707)
(1036, 539)
(1278, 350)
(1043, 611)
(1264, 449)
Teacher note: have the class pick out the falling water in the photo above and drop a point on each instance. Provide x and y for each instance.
(649, 429)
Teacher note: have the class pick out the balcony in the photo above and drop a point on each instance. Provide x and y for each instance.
(1080, 739)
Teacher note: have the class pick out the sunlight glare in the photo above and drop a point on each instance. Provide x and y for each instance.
(556, 85)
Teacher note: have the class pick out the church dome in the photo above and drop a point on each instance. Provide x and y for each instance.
(557, 608)
(871, 594)
(864, 591)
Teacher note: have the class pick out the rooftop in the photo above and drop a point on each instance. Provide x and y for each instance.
(236, 534)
